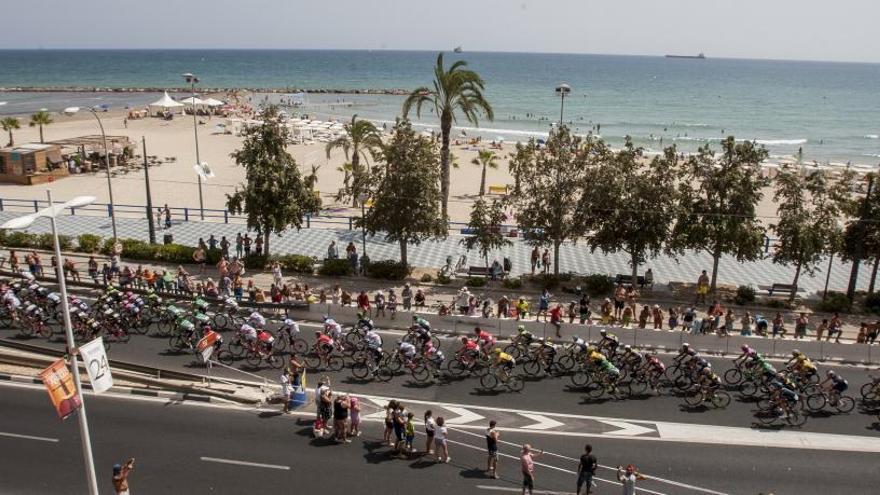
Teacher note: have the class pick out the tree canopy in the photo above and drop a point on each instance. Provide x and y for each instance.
(360, 141)
(485, 226)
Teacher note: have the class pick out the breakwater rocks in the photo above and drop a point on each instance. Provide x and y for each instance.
(95, 89)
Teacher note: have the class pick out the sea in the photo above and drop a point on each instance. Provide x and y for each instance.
(825, 111)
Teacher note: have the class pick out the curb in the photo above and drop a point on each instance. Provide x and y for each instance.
(117, 390)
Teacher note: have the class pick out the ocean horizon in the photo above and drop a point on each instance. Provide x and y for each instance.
(827, 110)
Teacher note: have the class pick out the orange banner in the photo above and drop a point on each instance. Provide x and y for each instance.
(59, 384)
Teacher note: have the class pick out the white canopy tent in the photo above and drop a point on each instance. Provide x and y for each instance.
(211, 102)
(193, 100)
(166, 103)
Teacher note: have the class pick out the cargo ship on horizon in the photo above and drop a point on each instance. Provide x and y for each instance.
(700, 56)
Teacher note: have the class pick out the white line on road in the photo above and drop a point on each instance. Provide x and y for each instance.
(517, 490)
(245, 463)
(28, 437)
(543, 422)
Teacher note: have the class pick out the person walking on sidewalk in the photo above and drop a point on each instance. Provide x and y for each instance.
(492, 436)
(527, 462)
(586, 470)
(120, 477)
(239, 245)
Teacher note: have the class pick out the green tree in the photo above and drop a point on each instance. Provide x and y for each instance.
(629, 204)
(360, 140)
(552, 180)
(485, 159)
(405, 192)
(275, 196)
(808, 208)
(869, 238)
(718, 196)
(485, 225)
(456, 89)
(10, 124)
(40, 119)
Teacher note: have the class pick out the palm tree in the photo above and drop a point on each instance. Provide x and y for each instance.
(10, 124)
(361, 138)
(485, 159)
(41, 119)
(457, 88)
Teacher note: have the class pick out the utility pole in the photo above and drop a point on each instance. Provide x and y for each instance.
(152, 226)
(859, 245)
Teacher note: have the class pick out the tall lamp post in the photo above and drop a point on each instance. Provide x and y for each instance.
(72, 111)
(363, 199)
(22, 223)
(192, 80)
(562, 90)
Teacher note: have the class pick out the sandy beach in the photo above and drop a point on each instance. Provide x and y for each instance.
(176, 183)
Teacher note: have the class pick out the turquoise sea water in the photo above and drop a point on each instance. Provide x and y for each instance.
(830, 110)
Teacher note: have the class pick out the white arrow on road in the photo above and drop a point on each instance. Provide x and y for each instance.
(465, 416)
(626, 429)
(543, 422)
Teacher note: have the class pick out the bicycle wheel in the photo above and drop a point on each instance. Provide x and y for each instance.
(275, 362)
(845, 404)
(869, 391)
(221, 321)
(46, 331)
(353, 338)
(176, 342)
(456, 368)
(565, 363)
(637, 387)
(767, 417)
(236, 348)
(796, 418)
(225, 357)
(394, 363)
(299, 346)
(480, 368)
(281, 343)
(335, 363)
(360, 370)
(489, 381)
(420, 374)
(312, 361)
(253, 359)
(532, 367)
(748, 389)
(720, 399)
(513, 350)
(515, 383)
(816, 402)
(384, 374)
(733, 376)
(694, 399)
(595, 390)
(580, 379)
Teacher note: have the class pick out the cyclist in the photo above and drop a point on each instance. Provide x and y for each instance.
(364, 322)
(267, 341)
(374, 345)
(608, 342)
(323, 343)
(610, 374)
(746, 354)
(546, 353)
(837, 385)
(653, 368)
(257, 320)
(423, 334)
(523, 337)
(708, 381)
(332, 328)
(484, 339)
(247, 334)
(631, 358)
(504, 362)
(289, 327)
(407, 350)
(469, 349)
(421, 322)
(783, 397)
(201, 306)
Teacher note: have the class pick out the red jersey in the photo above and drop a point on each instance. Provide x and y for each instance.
(324, 339)
(556, 314)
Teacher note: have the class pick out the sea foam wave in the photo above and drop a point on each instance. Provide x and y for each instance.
(872, 136)
(777, 142)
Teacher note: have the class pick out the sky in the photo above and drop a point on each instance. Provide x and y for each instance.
(841, 30)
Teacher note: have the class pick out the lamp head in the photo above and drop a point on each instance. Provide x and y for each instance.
(563, 89)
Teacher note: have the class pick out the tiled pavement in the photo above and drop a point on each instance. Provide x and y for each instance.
(573, 257)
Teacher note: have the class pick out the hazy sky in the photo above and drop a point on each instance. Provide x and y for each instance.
(844, 30)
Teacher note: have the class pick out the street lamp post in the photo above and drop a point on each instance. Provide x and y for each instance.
(74, 110)
(24, 222)
(363, 199)
(192, 80)
(562, 90)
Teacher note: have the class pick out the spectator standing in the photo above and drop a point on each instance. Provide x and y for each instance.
(340, 418)
(440, 441)
(544, 304)
(536, 254)
(13, 261)
(199, 257)
(503, 307)
(628, 477)
(492, 436)
(167, 217)
(545, 261)
(584, 308)
(246, 242)
(702, 287)
(586, 470)
(224, 247)
(430, 429)
(379, 302)
(276, 273)
(363, 302)
(212, 242)
(407, 295)
(332, 251)
(800, 326)
(258, 246)
(527, 463)
(120, 477)
(419, 298)
(239, 245)
(835, 328)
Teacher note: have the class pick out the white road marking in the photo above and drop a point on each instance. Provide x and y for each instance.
(626, 429)
(518, 490)
(28, 437)
(245, 463)
(543, 422)
(465, 416)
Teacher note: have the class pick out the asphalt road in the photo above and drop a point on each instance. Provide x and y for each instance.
(198, 448)
(548, 394)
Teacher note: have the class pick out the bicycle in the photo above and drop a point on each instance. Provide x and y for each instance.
(718, 398)
(494, 379)
(465, 365)
(817, 401)
(785, 412)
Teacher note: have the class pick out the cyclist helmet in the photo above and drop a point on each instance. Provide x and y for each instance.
(685, 346)
(646, 355)
(464, 340)
(796, 353)
(497, 350)
(477, 329)
(603, 331)
(521, 328)
(706, 370)
(399, 341)
(830, 373)
(326, 318)
(575, 338)
(317, 333)
(360, 315)
(627, 348)
(745, 348)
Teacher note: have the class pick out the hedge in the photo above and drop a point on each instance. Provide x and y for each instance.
(335, 268)
(387, 270)
(256, 262)
(836, 302)
(598, 284)
(88, 243)
(18, 239)
(299, 263)
(475, 281)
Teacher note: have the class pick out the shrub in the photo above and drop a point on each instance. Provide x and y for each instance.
(776, 303)
(107, 247)
(836, 302)
(255, 262)
(512, 283)
(47, 242)
(475, 281)
(138, 250)
(334, 268)
(299, 263)
(745, 294)
(174, 253)
(598, 284)
(212, 256)
(427, 278)
(443, 279)
(21, 239)
(872, 303)
(546, 280)
(387, 270)
(88, 243)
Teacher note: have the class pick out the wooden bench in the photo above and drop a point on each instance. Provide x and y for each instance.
(784, 288)
(482, 271)
(497, 189)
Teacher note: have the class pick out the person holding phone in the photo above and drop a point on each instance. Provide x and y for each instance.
(120, 477)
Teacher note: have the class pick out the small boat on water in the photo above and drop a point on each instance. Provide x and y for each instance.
(700, 56)
(457, 49)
